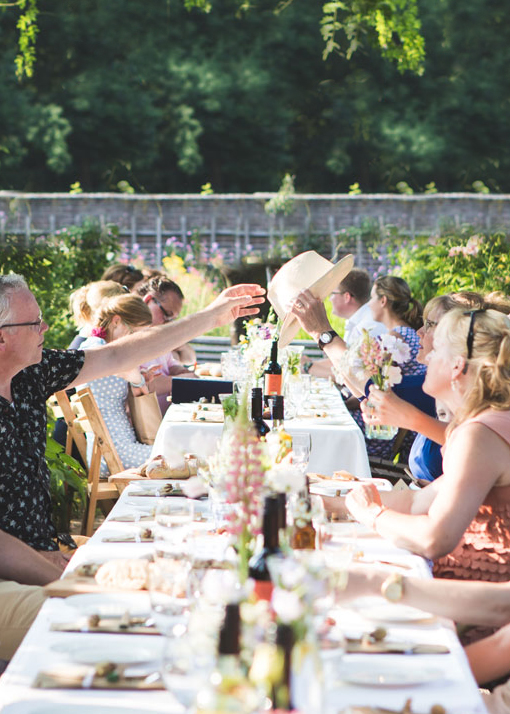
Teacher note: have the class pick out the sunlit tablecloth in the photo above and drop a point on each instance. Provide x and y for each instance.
(337, 442)
(454, 688)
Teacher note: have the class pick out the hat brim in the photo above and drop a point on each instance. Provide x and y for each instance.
(320, 289)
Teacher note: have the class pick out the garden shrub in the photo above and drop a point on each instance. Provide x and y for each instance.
(55, 265)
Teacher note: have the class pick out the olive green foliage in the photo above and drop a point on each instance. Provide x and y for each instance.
(159, 98)
(455, 261)
(54, 266)
(393, 26)
(68, 483)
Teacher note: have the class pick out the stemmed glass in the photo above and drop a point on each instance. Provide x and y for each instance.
(301, 448)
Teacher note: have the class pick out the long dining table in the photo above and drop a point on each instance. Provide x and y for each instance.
(370, 680)
(337, 443)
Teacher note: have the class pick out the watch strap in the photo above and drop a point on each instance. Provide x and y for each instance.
(322, 344)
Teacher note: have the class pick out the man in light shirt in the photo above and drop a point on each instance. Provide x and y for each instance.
(350, 301)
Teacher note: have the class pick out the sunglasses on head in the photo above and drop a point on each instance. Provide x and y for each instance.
(470, 334)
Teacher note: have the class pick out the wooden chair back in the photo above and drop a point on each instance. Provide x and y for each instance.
(62, 407)
(89, 420)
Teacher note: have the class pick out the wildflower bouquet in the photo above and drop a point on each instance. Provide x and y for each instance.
(378, 359)
(256, 344)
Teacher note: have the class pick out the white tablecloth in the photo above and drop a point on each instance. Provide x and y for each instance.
(454, 688)
(337, 441)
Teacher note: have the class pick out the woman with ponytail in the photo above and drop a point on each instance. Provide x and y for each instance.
(117, 317)
(392, 304)
(462, 519)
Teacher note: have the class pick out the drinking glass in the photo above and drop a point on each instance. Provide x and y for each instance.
(173, 519)
(168, 586)
(301, 448)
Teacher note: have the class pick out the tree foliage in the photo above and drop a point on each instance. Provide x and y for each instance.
(159, 98)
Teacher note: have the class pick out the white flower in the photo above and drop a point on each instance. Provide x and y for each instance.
(393, 375)
(287, 606)
(285, 478)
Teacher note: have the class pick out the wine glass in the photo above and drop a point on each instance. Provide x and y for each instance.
(168, 590)
(301, 448)
(173, 519)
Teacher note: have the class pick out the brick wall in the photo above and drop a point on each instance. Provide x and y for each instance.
(238, 220)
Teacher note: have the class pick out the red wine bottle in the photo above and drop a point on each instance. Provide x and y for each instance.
(256, 412)
(258, 568)
(281, 695)
(273, 374)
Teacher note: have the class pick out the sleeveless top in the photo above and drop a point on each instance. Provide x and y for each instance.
(484, 550)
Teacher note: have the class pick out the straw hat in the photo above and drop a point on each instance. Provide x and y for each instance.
(307, 271)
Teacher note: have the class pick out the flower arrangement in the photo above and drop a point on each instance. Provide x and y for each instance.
(378, 358)
(256, 344)
(243, 464)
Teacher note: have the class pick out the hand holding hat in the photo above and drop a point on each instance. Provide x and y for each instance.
(301, 279)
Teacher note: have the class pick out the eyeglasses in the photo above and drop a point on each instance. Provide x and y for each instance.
(168, 318)
(470, 334)
(37, 324)
(429, 324)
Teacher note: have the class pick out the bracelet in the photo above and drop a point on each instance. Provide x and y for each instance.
(139, 385)
(375, 513)
(307, 366)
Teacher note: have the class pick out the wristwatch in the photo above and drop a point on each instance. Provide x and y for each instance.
(393, 587)
(326, 337)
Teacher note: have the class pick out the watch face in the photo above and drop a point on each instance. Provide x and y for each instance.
(326, 338)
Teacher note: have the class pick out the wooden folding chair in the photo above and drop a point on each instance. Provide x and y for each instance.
(62, 407)
(89, 420)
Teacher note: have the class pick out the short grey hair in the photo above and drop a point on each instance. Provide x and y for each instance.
(9, 284)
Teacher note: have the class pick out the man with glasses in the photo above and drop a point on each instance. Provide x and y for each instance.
(29, 374)
(164, 299)
(350, 301)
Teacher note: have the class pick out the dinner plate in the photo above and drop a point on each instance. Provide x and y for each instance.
(378, 611)
(32, 707)
(329, 487)
(111, 604)
(108, 651)
(384, 676)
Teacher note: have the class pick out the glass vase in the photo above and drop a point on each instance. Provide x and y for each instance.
(380, 431)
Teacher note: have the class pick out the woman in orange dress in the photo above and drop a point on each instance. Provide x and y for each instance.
(461, 521)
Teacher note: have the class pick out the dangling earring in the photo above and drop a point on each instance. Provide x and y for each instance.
(454, 385)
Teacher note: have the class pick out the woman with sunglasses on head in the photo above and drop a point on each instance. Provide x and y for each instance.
(461, 520)
(116, 317)
(425, 460)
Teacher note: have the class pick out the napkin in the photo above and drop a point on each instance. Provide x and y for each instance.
(362, 646)
(109, 625)
(75, 676)
(146, 536)
(132, 518)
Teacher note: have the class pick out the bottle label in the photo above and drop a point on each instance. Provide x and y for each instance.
(272, 384)
(263, 590)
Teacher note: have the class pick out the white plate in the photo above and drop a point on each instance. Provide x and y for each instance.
(379, 611)
(33, 707)
(384, 676)
(111, 604)
(110, 651)
(329, 487)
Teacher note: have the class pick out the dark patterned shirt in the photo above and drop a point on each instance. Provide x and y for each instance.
(25, 503)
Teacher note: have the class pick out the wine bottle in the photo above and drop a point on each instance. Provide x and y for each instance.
(258, 568)
(256, 412)
(273, 374)
(228, 690)
(304, 533)
(277, 408)
(281, 694)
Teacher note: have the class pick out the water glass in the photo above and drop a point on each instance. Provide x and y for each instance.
(168, 590)
(301, 448)
(173, 519)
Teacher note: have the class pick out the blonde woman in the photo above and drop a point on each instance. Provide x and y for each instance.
(119, 316)
(84, 303)
(461, 520)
